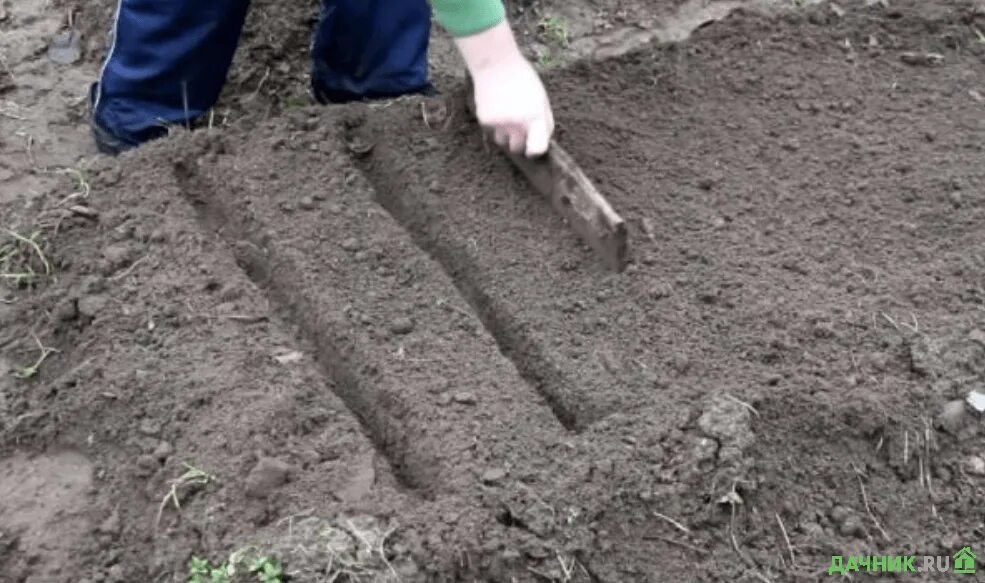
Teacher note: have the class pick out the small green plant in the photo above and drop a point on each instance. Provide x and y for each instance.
(268, 570)
(555, 36)
(555, 31)
(202, 571)
(264, 570)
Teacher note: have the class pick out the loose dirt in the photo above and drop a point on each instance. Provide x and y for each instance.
(354, 339)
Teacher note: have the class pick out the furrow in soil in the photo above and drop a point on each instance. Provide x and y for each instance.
(408, 355)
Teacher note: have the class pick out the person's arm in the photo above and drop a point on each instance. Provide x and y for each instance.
(509, 95)
(468, 17)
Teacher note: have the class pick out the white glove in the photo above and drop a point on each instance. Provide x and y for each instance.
(509, 96)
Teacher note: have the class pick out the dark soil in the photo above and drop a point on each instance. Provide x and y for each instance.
(363, 315)
(804, 222)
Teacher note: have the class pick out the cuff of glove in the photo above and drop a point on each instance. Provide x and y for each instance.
(463, 18)
(489, 48)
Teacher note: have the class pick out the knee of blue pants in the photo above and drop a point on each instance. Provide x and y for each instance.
(169, 58)
(167, 64)
(371, 48)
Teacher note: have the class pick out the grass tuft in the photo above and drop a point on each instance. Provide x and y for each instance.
(23, 259)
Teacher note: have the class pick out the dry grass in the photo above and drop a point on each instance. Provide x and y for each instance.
(348, 550)
(23, 258)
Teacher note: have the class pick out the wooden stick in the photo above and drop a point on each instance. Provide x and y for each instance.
(559, 178)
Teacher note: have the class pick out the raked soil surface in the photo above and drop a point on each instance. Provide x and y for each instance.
(353, 338)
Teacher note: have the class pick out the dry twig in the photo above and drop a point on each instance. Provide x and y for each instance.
(786, 538)
(868, 507)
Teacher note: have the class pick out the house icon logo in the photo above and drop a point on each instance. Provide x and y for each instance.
(964, 561)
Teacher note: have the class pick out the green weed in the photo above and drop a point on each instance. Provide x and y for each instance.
(555, 31)
(268, 570)
(262, 569)
(202, 571)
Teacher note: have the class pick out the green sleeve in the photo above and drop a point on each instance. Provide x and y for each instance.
(468, 17)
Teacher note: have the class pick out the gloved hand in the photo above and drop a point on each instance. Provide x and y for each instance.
(510, 98)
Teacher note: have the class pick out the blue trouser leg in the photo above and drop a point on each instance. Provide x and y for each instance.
(167, 64)
(371, 49)
(170, 58)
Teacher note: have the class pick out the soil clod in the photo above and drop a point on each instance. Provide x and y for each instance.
(402, 326)
(150, 427)
(267, 475)
(493, 476)
(464, 398)
(975, 465)
(90, 306)
(466, 369)
(953, 417)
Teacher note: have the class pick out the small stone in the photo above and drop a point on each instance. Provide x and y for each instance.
(116, 574)
(66, 47)
(839, 514)
(660, 291)
(952, 417)
(402, 326)
(306, 203)
(66, 310)
(813, 529)
(150, 427)
(493, 476)
(268, 475)
(231, 292)
(510, 555)
(118, 255)
(727, 421)
(335, 209)
(464, 398)
(163, 451)
(111, 525)
(159, 236)
(852, 526)
(977, 336)
(147, 462)
(705, 449)
(90, 306)
(351, 244)
(706, 183)
(975, 466)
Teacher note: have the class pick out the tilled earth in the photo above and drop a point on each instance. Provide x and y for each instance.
(352, 338)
